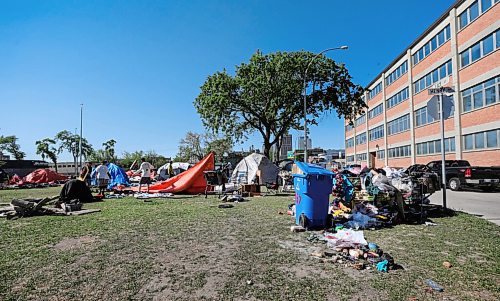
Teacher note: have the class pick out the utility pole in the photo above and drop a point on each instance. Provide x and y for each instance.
(81, 132)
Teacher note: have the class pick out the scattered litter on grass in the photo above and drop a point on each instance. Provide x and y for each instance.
(434, 285)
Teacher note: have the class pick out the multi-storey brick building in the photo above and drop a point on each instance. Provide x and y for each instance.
(461, 47)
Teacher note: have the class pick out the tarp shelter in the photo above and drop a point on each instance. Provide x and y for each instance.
(254, 165)
(191, 181)
(44, 175)
(15, 180)
(118, 176)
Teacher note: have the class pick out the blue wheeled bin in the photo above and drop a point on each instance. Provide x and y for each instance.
(312, 195)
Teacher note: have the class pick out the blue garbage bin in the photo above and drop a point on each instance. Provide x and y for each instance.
(312, 195)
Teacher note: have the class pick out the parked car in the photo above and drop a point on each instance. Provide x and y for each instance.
(460, 174)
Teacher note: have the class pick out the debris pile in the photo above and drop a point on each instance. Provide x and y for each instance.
(349, 247)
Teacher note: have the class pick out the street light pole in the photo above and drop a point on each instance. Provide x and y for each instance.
(305, 93)
(81, 132)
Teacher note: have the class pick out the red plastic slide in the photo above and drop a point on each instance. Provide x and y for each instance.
(191, 181)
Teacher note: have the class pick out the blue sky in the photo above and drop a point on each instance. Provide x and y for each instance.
(137, 65)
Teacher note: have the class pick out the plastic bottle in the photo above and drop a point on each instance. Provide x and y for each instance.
(434, 285)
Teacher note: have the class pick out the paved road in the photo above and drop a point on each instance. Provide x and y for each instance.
(483, 204)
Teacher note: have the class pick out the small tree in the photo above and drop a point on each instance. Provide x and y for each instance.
(9, 144)
(46, 149)
(70, 142)
(109, 148)
(191, 148)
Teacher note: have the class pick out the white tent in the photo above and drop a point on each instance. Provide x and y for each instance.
(254, 165)
(178, 167)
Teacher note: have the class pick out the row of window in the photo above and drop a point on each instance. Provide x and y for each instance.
(361, 138)
(481, 95)
(349, 143)
(381, 154)
(376, 133)
(360, 120)
(434, 76)
(375, 111)
(434, 147)
(422, 118)
(472, 12)
(439, 39)
(400, 151)
(348, 127)
(394, 75)
(350, 158)
(361, 157)
(480, 49)
(375, 91)
(482, 140)
(398, 125)
(397, 98)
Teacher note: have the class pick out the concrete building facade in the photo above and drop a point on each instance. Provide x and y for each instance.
(460, 50)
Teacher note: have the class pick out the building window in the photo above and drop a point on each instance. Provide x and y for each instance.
(350, 158)
(472, 12)
(394, 75)
(397, 98)
(422, 118)
(360, 120)
(361, 139)
(361, 157)
(481, 95)
(349, 142)
(399, 152)
(381, 154)
(478, 50)
(398, 125)
(375, 111)
(434, 147)
(439, 39)
(348, 127)
(375, 91)
(376, 133)
(434, 76)
(482, 140)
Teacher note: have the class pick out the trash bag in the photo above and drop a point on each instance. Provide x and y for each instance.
(75, 189)
(346, 239)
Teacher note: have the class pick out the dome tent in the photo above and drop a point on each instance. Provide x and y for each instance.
(252, 165)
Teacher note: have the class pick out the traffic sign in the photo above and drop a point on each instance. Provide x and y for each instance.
(433, 107)
(440, 90)
(290, 155)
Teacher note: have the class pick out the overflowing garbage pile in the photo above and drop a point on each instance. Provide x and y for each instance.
(70, 202)
(349, 247)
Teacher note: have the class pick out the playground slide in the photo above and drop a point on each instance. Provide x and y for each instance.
(191, 181)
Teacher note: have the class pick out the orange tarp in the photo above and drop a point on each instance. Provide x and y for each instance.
(191, 181)
(44, 175)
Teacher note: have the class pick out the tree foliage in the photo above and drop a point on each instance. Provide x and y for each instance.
(107, 153)
(266, 95)
(46, 149)
(194, 146)
(71, 143)
(128, 158)
(9, 144)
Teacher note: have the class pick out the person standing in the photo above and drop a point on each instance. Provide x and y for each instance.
(86, 172)
(102, 175)
(170, 169)
(145, 170)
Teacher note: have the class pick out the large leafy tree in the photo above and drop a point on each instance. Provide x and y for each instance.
(128, 159)
(266, 95)
(70, 142)
(46, 149)
(9, 144)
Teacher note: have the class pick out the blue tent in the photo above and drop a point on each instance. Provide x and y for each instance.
(118, 176)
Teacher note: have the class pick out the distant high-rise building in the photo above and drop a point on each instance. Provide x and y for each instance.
(286, 146)
(300, 143)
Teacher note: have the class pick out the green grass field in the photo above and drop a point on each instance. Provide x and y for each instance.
(188, 249)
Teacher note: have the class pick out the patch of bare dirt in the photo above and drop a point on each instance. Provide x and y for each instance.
(191, 270)
(75, 243)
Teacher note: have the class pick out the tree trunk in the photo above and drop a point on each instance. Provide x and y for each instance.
(55, 165)
(267, 147)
